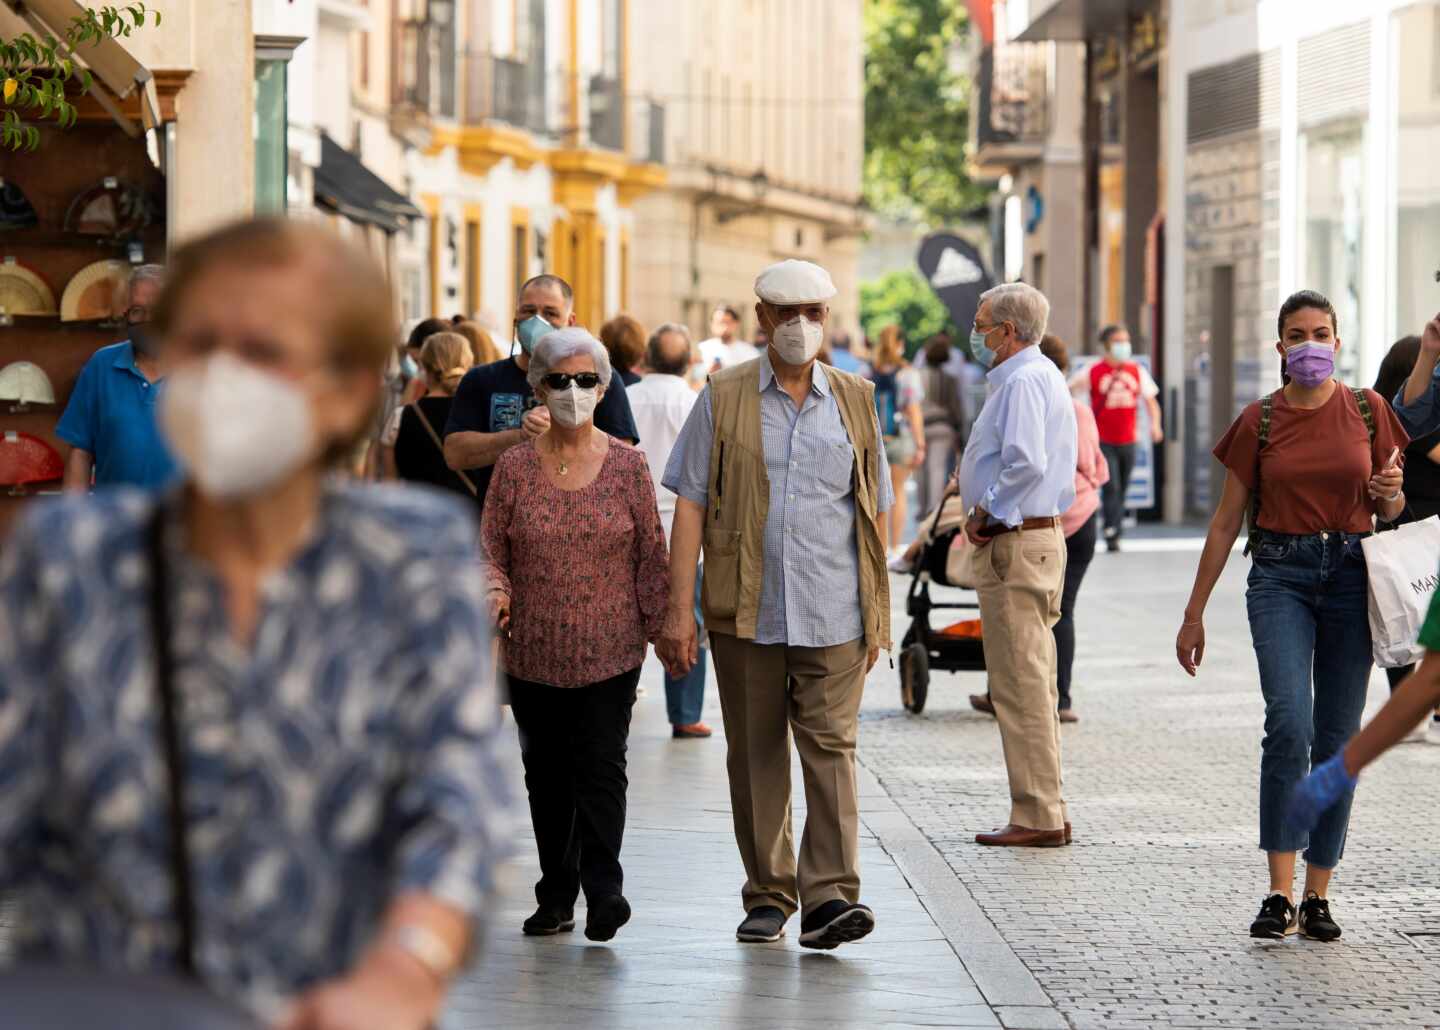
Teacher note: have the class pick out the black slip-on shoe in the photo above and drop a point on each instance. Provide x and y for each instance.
(547, 922)
(1276, 918)
(1314, 920)
(605, 917)
(835, 923)
(764, 924)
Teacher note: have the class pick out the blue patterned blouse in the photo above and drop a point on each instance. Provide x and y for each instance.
(349, 754)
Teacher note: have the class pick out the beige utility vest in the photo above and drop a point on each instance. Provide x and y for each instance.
(739, 502)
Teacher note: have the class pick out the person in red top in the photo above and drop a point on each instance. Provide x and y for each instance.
(1313, 464)
(1117, 386)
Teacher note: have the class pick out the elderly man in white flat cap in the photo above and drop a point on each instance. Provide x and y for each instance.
(780, 472)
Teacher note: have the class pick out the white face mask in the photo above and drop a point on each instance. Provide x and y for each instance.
(798, 340)
(573, 407)
(236, 429)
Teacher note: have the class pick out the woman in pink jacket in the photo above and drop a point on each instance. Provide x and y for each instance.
(1091, 473)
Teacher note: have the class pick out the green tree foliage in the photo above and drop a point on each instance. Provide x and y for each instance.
(917, 112)
(904, 299)
(38, 75)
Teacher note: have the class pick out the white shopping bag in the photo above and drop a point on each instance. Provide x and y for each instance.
(1404, 566)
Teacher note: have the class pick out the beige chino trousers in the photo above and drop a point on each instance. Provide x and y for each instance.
(1019, 577)
(768, 691)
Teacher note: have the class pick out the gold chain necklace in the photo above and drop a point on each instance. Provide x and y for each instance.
(563, 467)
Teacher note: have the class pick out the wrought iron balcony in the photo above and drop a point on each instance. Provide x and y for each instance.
(503, 89)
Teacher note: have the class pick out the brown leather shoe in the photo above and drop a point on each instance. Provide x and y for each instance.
(695, 731)
(1013, 836)
(982, 703)
(1068, 835)
(1068, 715)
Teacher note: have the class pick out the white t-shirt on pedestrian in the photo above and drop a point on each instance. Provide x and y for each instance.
(660, 405)
(717, 350)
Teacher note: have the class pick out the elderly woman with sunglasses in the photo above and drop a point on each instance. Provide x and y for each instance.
(578, 582)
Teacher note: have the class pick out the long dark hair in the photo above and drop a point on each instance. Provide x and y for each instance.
(1396, 367)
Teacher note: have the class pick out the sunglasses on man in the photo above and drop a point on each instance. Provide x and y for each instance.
(562, 380)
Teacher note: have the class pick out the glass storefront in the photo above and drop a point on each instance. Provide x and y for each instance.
(271, 149)
(1331, 239)
(1417, 166)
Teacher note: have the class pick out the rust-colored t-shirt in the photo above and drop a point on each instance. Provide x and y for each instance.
(1316, 467)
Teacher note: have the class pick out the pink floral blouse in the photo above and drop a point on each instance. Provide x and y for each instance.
(586, 570)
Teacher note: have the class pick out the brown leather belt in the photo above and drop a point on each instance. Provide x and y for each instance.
(1028, 524)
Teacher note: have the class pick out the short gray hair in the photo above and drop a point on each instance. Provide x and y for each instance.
(555, 347)
(1022, 305)
(144, 274)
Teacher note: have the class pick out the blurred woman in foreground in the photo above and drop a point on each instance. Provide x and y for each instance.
(295, 663)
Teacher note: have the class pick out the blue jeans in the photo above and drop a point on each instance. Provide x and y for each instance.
(685, 695)
(1307, 607)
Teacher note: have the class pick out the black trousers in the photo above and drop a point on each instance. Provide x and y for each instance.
(1121, 459)
(573, 742)
(1079, 551)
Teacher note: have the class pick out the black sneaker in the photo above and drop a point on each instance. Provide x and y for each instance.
(1276, 918)
(835, 923)
(763, 925)
(547, 922)
(1315, 921)
(605, 917)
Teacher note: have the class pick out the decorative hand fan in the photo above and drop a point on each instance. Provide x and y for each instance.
(25, 384)
(16, 211)
(96, 291)
(26, 459)
(22, 292)
(109, 208)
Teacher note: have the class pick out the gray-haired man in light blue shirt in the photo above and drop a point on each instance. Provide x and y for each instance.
(1018, 474)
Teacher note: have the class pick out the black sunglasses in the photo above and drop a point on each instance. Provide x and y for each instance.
(562, 380)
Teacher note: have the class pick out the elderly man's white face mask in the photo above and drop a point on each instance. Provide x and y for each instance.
(798, 340)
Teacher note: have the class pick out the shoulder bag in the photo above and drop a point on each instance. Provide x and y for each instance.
(440, 446)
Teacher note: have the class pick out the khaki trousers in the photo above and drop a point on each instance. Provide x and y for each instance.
(1019, 577)
(766, 691)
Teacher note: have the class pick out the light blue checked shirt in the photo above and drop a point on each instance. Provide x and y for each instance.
(1019, 462)
(810, 590)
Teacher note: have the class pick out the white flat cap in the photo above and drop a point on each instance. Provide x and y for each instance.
(794, 282)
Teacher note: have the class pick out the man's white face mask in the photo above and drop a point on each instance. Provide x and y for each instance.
(798, 340)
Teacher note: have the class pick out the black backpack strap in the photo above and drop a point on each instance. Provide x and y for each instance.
(1267, 410)
(160, 628)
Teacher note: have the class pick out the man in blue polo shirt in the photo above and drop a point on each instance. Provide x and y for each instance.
(109, 421)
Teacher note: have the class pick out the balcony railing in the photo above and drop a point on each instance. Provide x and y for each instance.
(425, 68)
(503, 89)
(607, 113)
(1012, 91)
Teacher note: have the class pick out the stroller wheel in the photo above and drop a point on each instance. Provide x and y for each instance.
(914, 677)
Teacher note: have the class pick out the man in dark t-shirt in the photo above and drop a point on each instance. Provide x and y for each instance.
(495, 409)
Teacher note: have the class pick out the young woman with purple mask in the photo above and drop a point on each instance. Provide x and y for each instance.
(1312, 464)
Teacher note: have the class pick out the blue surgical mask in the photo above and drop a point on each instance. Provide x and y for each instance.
(979, 350)
(1121, 351)
(532, 331)
(408, 368)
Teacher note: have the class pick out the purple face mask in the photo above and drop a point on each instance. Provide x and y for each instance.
(1310, 363)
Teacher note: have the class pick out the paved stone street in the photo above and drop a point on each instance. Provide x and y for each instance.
(1142, 923)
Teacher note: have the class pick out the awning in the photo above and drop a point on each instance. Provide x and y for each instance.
(1077, 20)
(344, 185)
(117, 74)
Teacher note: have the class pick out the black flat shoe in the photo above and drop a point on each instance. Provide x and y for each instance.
(764, 924)
(547, 923)
(835, 923)
(605, 917)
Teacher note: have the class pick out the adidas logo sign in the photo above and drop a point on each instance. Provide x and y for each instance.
(955, 269)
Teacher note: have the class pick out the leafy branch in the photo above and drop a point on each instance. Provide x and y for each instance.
(40, 74)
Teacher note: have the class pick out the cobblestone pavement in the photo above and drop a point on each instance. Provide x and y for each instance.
(1143, 921)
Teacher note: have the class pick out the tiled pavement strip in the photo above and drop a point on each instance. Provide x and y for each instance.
(1141, 923)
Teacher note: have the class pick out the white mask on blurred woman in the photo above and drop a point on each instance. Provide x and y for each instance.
(236, 429)
(572, 407)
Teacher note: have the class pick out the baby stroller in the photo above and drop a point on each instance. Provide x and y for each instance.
(957, 647)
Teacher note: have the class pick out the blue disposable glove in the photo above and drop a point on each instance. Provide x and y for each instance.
(1327, 783)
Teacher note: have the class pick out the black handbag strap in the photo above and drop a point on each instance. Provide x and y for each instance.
(160, 629)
